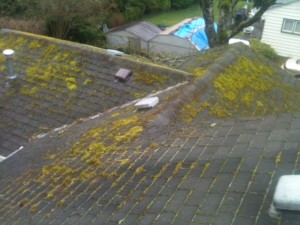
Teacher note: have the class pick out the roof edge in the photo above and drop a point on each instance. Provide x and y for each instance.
(96, 50)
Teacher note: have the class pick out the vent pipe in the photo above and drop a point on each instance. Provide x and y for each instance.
(9, 54)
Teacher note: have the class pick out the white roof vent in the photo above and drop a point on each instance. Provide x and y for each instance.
(9, 54)
(147, 103)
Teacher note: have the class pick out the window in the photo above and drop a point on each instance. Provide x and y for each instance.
(291, 26)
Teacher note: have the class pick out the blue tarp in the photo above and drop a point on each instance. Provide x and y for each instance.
(194, 31)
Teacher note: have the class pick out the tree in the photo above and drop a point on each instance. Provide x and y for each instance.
(11, 7)
(226, 29)
(181, 4)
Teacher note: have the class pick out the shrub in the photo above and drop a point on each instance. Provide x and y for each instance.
(116, 19)
(11, 7)
(157, 5)
(133, 13)
(88, 34)
(28, 25)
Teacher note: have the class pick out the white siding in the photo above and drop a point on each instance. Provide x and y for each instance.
(285, 44)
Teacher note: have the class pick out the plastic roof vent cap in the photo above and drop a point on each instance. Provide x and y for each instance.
(287, 193)
(147, 103)
(9, 53)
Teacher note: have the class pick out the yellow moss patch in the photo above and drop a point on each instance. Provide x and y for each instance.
(278, 158)
(189, 111)
(71, 83)
(84, 162)
(163, 169)
(251, 88)
(29, 91)
(207, 165)
(34, 208)
(139, 170)
(87, 81)
(115, 115)
(65, 70)
(55, 169)
(35, 45)
(125, 122)
(130, 135)
(199, 72)
(150, 79)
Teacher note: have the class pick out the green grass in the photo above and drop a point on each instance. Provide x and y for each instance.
(175, 16)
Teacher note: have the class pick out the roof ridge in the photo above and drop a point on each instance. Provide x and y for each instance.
(92, 49)
(200, 86)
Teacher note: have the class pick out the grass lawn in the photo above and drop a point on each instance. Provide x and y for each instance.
(175, 16)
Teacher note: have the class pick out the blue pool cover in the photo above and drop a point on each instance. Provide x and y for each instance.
(194, 31)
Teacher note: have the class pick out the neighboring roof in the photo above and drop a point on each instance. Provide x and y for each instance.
(210, 152)
(61, 82)
(144, 30)
(175, 27)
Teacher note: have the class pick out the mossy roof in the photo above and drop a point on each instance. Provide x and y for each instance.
(60, 82)
(206, 153)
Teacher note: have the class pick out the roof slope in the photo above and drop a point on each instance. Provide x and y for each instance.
(61, 82)
(144, 30)
(216, 159)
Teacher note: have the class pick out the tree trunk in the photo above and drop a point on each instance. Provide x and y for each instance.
(208, 14)
(225, 21)
(226, 29)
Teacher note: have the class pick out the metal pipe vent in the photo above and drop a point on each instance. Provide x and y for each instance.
(9, 54)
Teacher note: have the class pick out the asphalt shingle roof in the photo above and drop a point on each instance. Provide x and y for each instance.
(59, 83)
(190, 160)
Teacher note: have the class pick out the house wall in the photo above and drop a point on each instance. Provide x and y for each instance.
(121, 39)
(118, 39)
(171, 45)
(161, 44)
(285, 44)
